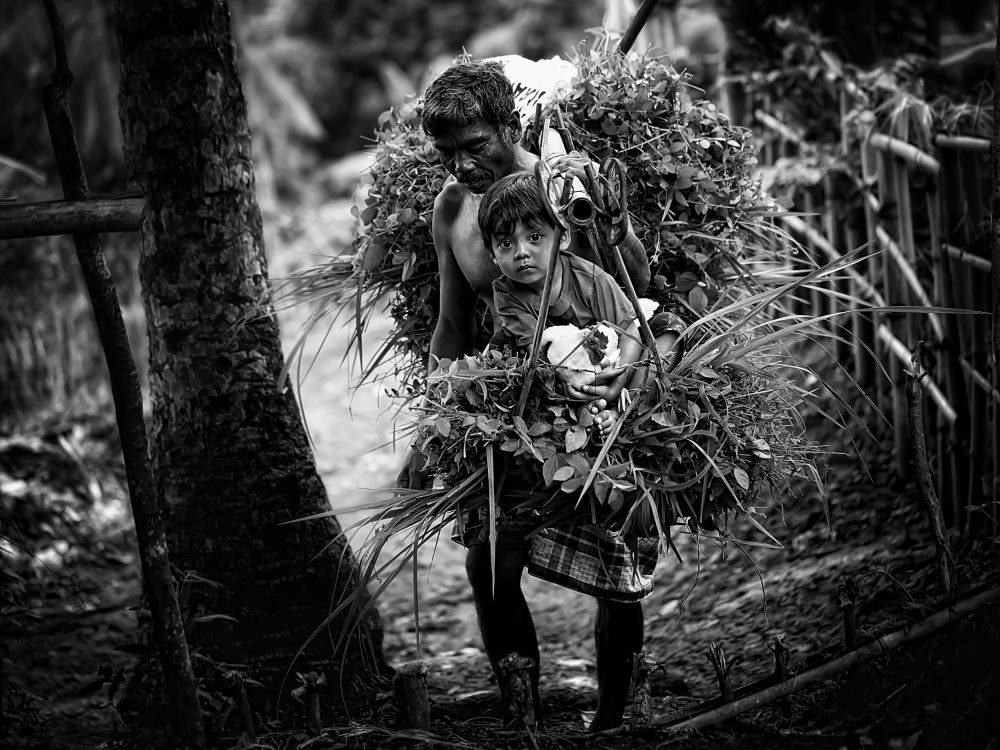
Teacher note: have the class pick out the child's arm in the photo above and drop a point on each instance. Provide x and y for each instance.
(629, 351)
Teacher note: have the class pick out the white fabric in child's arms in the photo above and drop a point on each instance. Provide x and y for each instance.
(570, 354)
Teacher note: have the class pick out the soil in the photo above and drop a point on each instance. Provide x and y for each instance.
(940, 692)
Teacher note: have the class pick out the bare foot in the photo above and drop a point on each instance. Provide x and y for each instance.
(604, 422)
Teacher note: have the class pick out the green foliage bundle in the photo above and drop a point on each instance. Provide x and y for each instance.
(700, 445)
(692, 196)
(694, 202)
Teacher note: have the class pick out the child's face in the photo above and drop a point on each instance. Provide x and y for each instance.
(524, 255)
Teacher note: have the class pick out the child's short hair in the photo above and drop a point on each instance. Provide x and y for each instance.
(516, 197)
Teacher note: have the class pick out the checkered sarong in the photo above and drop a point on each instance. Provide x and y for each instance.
(595, 561)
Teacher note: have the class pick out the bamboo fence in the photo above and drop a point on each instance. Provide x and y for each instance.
(925, 209)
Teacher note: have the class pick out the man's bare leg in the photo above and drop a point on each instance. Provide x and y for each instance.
(504, 618)
(618, 633)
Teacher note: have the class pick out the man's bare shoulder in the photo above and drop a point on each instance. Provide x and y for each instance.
(450, 200)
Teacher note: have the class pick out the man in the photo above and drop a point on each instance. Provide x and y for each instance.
(470, 117)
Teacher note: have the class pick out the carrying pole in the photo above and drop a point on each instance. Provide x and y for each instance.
(635, 26)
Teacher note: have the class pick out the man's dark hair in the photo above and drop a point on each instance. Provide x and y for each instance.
(465, 93)
(516, 197)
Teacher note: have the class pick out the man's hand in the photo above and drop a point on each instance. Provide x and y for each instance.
(412, 475)
(573, 164)
(605, 385)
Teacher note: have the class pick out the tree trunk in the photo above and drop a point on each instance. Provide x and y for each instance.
(231, 454)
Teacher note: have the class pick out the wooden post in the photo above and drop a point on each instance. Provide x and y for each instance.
(642, 667)
(514, 675)
(925, 482)
(409, 691)
(158, 583)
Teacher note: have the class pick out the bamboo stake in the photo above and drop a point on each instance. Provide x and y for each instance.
(409, 687)
(925, 482)
(773, 123)
(981, 380)
(977, 262)
(890, 245)
(948, 458)
(903, 354)
(869, 176)
(906, 151)
(962, 143)
(886, 643)
(97, 215)
(900, 438)
(834, 230)
(158, 583)
(904, 231)
(817, 299)
(995, 286)
(955, 229)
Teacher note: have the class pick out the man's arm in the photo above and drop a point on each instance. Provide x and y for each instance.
(455, 332)
(636, 262)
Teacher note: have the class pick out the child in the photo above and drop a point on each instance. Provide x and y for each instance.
(518, 233)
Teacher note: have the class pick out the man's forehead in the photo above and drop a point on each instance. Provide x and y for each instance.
(473, 131)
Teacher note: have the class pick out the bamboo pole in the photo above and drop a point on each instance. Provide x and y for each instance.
(635, 26)
(886, 643)
(158, 583)
(904, 355)
(995, 286)
(800, 228)
(773, 123)
(869, 175)
(977, 262)
(833, 227)
(768, 152)
(817, 298)
(955, 228)
(886, 170)
(950, 482)
(906, 151)
(909, 275)
(97, 215)
(962, 143)
(925, 481)
(977, 378)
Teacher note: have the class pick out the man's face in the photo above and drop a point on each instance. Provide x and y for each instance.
(524, 255)
(478, 154)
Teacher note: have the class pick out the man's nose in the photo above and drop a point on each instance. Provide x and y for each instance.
(463, 164)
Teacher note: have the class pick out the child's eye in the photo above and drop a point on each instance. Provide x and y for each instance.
(503, 245)
(534, 237)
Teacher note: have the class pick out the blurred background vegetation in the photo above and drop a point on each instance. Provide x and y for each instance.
(317, 74)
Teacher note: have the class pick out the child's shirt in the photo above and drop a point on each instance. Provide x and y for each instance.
(589, 295)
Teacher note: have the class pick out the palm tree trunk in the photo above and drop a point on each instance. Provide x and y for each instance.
(231, 454)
